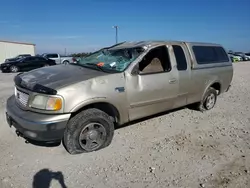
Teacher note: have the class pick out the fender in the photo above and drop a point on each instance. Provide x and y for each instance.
(63, 60)
(208, 85)
(122, 111)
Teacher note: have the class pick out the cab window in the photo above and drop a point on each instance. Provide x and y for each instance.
(210, 54)
(52, 55)
(180, 58)
(155, 61)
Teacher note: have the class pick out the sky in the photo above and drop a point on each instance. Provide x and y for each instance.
(86, 25)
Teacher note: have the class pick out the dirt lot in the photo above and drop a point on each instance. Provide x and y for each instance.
(184, 148)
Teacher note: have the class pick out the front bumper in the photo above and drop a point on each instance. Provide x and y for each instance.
(36, 126)
(4, 68)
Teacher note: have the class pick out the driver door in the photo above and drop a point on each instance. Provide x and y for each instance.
(31, 63)
(154, 88)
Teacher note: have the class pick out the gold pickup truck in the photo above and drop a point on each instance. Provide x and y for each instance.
(80, 104)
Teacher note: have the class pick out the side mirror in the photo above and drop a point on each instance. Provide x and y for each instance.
(135, 70)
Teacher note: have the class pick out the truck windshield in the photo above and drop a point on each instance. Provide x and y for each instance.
(116, 60)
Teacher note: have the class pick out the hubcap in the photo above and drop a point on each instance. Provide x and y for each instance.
(14, 69)
(92, 136)
(210, 101)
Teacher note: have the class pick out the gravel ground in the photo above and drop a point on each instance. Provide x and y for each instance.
(184, 148)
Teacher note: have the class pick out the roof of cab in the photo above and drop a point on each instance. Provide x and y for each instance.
(134, 44)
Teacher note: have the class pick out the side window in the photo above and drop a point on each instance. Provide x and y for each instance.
(209, 54)
(221, 54)
(39, 59)
(180, 58)
(29, 59)
(155, 61)
(52, 56)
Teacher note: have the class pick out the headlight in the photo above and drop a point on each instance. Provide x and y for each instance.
(46, 103)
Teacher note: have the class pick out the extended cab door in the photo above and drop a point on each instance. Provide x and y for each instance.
(182, 59)
(154, 86)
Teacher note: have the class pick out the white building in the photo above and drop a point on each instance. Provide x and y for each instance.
(9, 49)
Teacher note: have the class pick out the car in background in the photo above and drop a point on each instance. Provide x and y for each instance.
(235, 58)
(243, 55)
(26, 64)
(59, 59)
(247, 55)
(231, 57)
(17, 57)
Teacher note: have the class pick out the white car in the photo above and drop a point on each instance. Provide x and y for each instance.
(248, 56)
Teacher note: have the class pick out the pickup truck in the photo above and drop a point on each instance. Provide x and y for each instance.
(59, 59)
(81, 104)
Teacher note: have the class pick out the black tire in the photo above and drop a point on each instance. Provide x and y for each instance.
(80, 122)
(14, 69)
(202, 106)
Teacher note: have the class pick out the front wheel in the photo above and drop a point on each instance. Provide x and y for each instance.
(88, 131)
(14, 68)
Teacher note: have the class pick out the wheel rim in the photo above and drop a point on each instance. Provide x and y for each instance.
(46, 65)
(13, 69)
(210, 101)
(92, 136)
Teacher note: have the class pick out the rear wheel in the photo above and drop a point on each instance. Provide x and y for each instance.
(208, 102)
(66, 62)
(46, 65)
(14, 68)
(88, 131)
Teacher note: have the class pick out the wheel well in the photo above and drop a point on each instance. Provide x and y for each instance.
(103, 106)
(217, 87)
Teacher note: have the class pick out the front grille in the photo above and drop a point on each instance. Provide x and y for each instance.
(21, 97)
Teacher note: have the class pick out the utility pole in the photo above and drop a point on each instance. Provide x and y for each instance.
(116, 33)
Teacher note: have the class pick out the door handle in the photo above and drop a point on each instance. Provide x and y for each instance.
(172, 81)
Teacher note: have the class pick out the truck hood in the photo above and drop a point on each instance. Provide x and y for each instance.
(55, 77)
